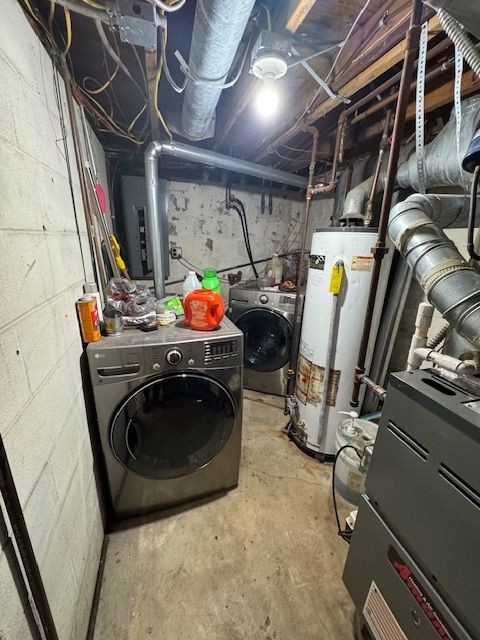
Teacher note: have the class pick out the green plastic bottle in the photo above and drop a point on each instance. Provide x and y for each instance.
(210, 280)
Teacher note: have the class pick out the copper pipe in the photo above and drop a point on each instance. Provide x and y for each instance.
(380, 249)
(301, 265)
(434, 73)
(388, 84)
(381, 153)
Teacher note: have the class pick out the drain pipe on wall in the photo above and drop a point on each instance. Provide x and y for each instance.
(157, 150)
(301, 267)
(380, 249)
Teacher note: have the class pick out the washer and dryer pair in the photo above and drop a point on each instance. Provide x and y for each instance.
(265, 316)
(169, 410)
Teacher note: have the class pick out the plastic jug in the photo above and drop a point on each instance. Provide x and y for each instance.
(277, 269)
(210, 280)
(204, 310)
(190, 283)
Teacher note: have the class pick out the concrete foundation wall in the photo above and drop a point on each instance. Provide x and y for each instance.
(211, 236)
(43, 419)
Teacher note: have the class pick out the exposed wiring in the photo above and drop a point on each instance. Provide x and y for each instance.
(82, 96)
(61, 117)
(140, 65)
(176, 87)
(135, 119)
(101, 115)
(268, 16)
(155, 98)
(168, 8)
(236, 204)
(343, 533)
(303, 161)
(225, 269)
(115, 57)
(95, 5)
(68, 26)
(215, 83)
(51, 14)
(351, 30)
(189, 266)
(103, 86)
(471, 215)
(311, 102)
(297, 61)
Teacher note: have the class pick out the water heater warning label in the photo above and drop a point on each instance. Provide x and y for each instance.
(379, 617)
(362, 263)
(310, 383)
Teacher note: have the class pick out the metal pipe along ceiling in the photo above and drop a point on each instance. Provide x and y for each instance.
(217, 31)
(442, 166)
(156, 150)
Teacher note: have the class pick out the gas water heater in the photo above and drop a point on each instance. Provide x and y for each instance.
(331, 330)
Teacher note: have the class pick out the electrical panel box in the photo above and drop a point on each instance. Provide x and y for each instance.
(134, 223)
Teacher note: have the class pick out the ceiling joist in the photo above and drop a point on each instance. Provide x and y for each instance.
(297, 14)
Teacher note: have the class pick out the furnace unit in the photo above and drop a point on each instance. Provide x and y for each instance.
(414, 563)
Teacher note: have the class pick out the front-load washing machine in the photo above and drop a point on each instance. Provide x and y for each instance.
(265, 316)
(169, 410)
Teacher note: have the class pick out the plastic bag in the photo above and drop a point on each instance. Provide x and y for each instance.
(132, 298)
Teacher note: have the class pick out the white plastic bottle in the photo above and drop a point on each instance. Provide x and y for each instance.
(277, 269)
(191, 283)
(90, 288)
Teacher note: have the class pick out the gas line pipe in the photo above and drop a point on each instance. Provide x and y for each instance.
(380, 248)
(301, 267)
(335, 290)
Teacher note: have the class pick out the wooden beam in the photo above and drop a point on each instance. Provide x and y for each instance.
(373, 71)
(444, 94)
(295, 18)
(298, 13)
(434, 99)
(151, 73)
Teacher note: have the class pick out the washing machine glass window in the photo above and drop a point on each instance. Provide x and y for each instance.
(267, 338)
(172, 425)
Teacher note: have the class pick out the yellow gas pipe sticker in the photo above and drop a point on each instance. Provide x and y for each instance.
(336, 278)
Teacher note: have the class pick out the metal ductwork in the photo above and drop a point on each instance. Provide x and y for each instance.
(450, 283)
(218, 29)
(157, 150)
(442, 166)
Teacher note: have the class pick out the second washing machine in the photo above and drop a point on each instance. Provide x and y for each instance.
(265, 316)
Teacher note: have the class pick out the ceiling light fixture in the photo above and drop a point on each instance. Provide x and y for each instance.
(269, 62)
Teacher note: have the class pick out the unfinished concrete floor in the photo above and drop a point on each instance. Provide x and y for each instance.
(263, 561)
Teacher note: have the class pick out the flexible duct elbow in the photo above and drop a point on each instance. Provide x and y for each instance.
(217, 32)
(452, 286)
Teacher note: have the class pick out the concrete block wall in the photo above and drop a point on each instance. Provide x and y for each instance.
(43, 419)
(211, 236)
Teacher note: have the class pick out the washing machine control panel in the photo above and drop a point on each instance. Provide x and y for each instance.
(221, 351)
(174, 356)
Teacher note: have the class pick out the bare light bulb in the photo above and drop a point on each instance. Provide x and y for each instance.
(266, 100)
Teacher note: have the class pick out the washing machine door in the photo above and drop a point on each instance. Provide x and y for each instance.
(172, 425)
(267, 339)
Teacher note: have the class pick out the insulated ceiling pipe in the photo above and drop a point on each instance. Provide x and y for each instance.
(451, 284)
(442, 165)
(156, 150)
(217, 31)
